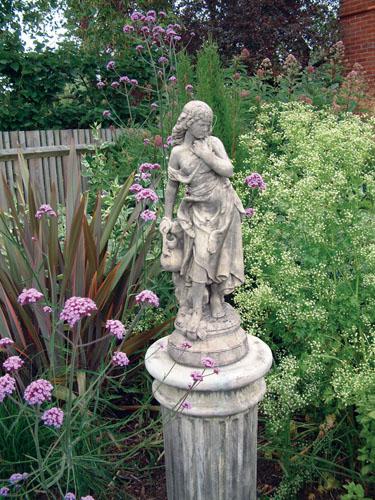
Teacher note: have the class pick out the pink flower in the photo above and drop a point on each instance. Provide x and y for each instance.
(208, 362)
(186, 405)
(145, 30)
(77, 308)
(146, 142)
(186, 345)
(158, 141)
(100, 85)
(87, 497)
(310, 69)
(38, 392)
(135, 16)
(53, 417)
(29, 296)
(163, 60)
(4, 491)
(147, 194)
(128, 28)
(170, 140)
(155, 166)
(162, 14)
(45, 210)
(106, 113)
(172, 79)
(13, 363)
(135, 188)
(115, 327)
(249, 212)
(133, 81)
(115, 85)
(196, 376)
(47, 309)
(139, 48)
(120, 359)
(146, 296)
(6, 341)
(148, 215)
(124, 79)
(111, 65)
(145, 176)
(7, 386)
(255, 180)
(189, 87)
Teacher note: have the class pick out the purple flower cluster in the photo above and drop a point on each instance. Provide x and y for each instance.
(4, 491)
(146, 167)
(77, 308)
(147, 297)
(115, 327)
(208, 362)
(17, 477)
(196, 376)
(7, 386)
(148, 215)
(120, 359)
(135, 188)
(255, 180)
(45, 210)
(87, 497)
(70, 496)
(186, 345)
(29, 296)
(47, 309)
(6, 341)
(13, 363)
(249, 212)
(38, 392)
(110, 65)
(186, 405)
(146, 194)
(106, 113)
(53, 417)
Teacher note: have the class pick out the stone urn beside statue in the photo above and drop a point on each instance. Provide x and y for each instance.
(209, 373)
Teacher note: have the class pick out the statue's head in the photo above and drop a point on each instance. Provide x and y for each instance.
(196, 116)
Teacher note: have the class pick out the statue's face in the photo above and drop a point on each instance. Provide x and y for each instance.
(200, 128)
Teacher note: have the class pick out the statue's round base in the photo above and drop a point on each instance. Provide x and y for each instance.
(222, 339)
(211, 440)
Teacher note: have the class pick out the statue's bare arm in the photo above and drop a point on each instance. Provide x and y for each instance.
(170, 194)
(217, 158)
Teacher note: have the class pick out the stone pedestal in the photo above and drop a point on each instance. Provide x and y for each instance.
(211, 447)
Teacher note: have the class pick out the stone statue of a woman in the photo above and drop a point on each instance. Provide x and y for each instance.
(203, 245)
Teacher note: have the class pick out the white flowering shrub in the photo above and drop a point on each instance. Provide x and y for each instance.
(310, 265)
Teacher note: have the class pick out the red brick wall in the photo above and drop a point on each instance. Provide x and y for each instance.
(357, 22)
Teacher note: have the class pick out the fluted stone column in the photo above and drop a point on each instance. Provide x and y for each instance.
(210, 448)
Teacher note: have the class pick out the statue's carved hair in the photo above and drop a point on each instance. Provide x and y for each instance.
(192, 111)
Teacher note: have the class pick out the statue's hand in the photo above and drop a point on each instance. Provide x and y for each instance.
(203, 151)
(165, 225)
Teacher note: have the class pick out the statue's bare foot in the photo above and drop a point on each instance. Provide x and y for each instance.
(192, 323)
(217, 309)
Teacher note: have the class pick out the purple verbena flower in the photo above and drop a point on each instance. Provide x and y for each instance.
(45, 210)
(147, 297)
(128, 28)
(29, 296)
(135, 16)
(115, 85)
(189, 87)
(120, 359)
(100, 85)
(4, 491)
(133, 81)
(186, 405)
(13, 363)
(7, 386)
(6, 341)
(17, 477)
(177, 38)
(145, 176)
(145, 30)
(135, 188)
(111, 65)
(70, 496)
(146, 142)
(77, 308)
(163, 60)
(38, 392)
(115, 327)
(196, 376)
(47, 309)
(249, 212)
(124, 79)
(145, 167)
(147, 194)
(208, 362)
(255, 180)
(148, 215)
(172, 79)
(170, 140)
(162, 14)
(106, 113)
(53, 417)
(186, 344)
(139, 48)
(87, 497)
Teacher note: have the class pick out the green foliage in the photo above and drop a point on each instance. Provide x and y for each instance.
(309, 257)
(355, 491)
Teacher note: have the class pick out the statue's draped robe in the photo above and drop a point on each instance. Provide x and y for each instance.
(210, 216)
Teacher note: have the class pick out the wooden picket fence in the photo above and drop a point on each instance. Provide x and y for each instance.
(46, 154)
